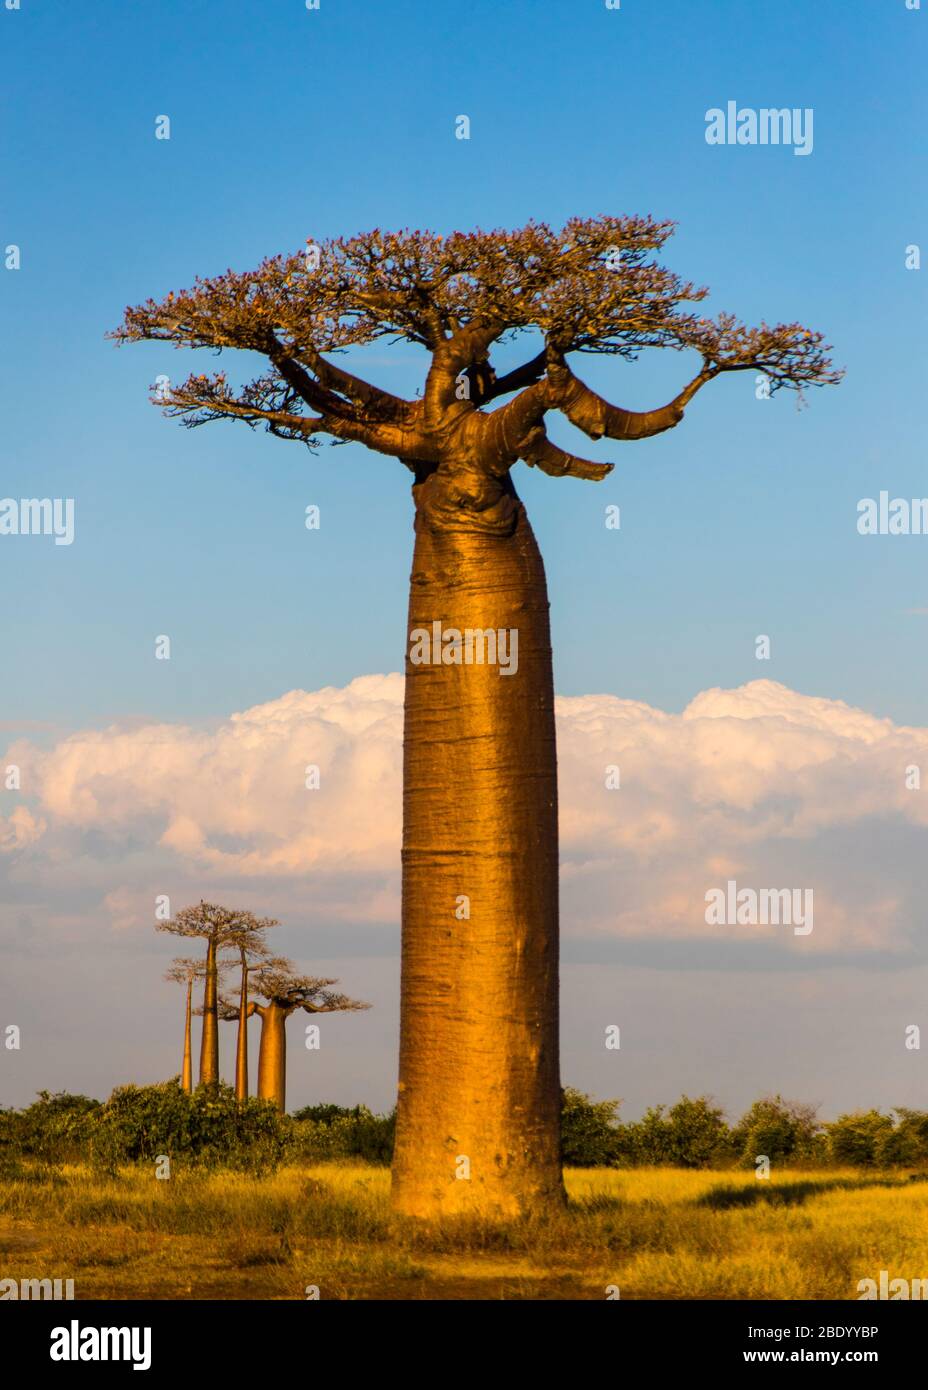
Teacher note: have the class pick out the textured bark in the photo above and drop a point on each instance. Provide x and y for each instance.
(241, 1046)
(272, 1054)
(209, 1045)
(479, 1091)
(186, 1080)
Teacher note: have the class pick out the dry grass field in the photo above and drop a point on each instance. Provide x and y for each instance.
(656, 1233)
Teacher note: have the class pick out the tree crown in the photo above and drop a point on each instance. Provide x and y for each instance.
(279, 984)
(183, 969)
(225, 926)
(594, 286)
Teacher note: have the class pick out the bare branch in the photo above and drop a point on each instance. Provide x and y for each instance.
(539, 452)
(449, 360)
(360, 393)
(525, 375)
(597, 418)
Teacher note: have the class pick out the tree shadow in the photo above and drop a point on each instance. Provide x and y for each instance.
(788, 1194)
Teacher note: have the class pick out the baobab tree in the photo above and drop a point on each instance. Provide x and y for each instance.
(284, 992)
(253, 955)
(219, 927)
(247, 938)
(479, 1076)
(183, 970)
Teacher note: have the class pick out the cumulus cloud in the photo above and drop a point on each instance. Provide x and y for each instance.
(20, 828)
(234, 798)
(762, 785)
(759, 784)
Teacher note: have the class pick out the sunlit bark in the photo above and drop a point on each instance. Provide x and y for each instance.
(477, 1120)
(272, 1053)
(209, 1042)
(187, 1070)
(241, 1042)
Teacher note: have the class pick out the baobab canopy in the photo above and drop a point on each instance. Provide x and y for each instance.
(593, 287)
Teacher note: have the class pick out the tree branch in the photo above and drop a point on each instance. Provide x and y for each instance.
(359, 392)
(508, 427)
(539, 452)
(205, 398)
(526, 375)
(598, 418)
(345, 422)
(452, 355)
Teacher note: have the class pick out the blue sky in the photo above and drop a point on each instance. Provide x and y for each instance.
(288, 124)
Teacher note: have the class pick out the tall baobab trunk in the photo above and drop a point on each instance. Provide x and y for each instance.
(272, 1053)
(186, 1079)
(478, 1121)
(241, 1048)
(209, 1045)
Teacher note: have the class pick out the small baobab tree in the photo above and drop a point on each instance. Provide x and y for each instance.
(253, 955)
(479, 1072)
(248, 939)
(283, 992)
(184, 970)
(218, 927)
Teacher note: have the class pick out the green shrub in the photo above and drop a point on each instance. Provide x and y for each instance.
(906, 1143)
(330, 1131)
(55, 1128)
(691, 1134)
(322, 1114)
(857, 1138)
(777, 1128)
(208, 1128)
(591, 1135)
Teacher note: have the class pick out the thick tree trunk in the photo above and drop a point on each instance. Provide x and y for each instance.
(241, 1048)
(209, 1044)
(186, 1079)
(479, 1090)
(272, 1054)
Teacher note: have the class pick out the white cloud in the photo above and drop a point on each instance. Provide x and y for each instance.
(761, 784)
(234, 798)
(20, 828)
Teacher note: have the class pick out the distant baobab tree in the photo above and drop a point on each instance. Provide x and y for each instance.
(284, 992)
(479, 1074)
(183, 971)
(248, 939)
(253, 956)
(218, 927)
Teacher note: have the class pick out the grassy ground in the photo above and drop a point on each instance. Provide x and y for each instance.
(655, 1233)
